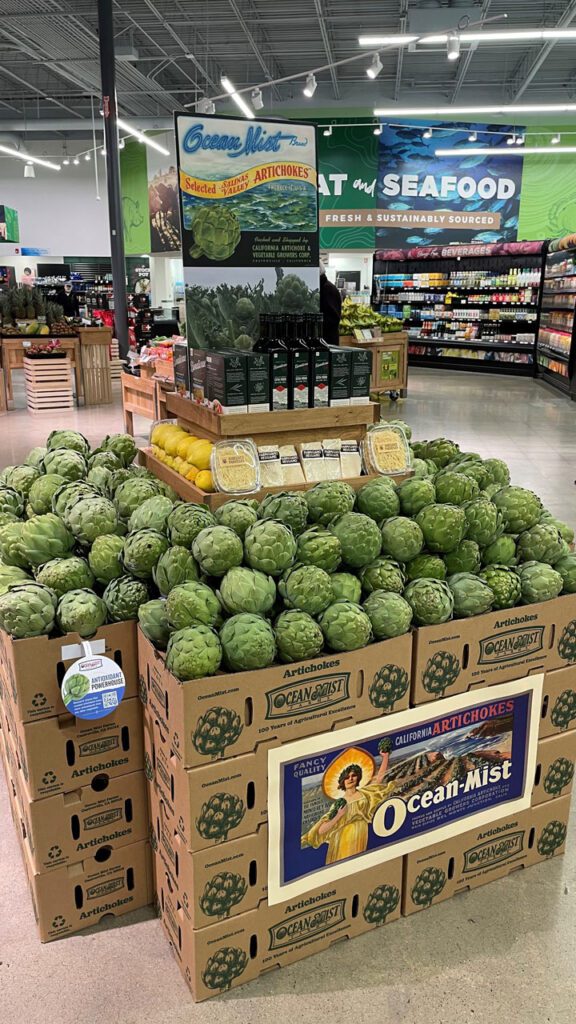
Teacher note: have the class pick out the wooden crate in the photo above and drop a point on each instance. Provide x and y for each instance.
(48, 383)
(116, 364)
(291, 427)
(189, 492)
(144, 396)
(389, 360)
(95, 354)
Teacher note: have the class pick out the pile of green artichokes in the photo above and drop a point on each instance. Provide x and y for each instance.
(87, 537)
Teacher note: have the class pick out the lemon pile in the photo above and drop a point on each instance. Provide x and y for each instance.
(183, 452)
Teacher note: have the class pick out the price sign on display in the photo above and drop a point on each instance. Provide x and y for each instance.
(93, 686)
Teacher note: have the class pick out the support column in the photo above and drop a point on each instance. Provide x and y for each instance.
(108, 76)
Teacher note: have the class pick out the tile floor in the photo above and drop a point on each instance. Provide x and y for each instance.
(505, 950)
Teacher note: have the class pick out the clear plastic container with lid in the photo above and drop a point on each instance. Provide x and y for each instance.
(385, 450)
(235, 466)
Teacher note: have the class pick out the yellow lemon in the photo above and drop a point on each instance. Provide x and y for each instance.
(171, 444)
(156, 435)
(184, 446)
(168, 460)
(199, 454)
(204, 480)
(192, 472)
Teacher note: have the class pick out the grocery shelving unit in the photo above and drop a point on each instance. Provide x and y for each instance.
(465, 312)
(555, 345)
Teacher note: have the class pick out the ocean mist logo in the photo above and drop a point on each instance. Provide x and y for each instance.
(493, 852)
(311, 922)
(257, 140)
(515, 643)
(309, 695)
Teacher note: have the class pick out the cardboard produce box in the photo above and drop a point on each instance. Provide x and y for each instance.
(56, 755)
(231, 952)
(31, 671)
(229, 714)
(554, 768)
(493, 648)
(558, 702)
(474, 858)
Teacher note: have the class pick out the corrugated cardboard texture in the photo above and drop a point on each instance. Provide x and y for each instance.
(230, 714)
(558, 702)
(56, 755)
(493, 648)
(482, 855)
(31, 671)
(554, 768)
(231, 952)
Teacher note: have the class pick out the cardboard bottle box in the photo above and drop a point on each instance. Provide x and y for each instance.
(464, 654)
(554, 775)
(233, 951)
(31, 671)
(57, 755)
(274, 705)
(474, 858)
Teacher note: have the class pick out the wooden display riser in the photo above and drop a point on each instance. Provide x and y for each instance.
(48, 384)
(142, 397)
(291, 427)
(189, 492)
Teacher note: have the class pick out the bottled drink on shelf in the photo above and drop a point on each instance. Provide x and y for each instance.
(299, 362)
(319, 354)
(271, 341)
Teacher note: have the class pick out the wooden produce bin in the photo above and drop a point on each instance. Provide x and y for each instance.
(145, 396)
(48, 383)
(13, 352)
(389, 361)
(95, 355)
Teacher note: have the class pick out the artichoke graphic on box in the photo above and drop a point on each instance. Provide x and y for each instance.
(381, 902)
(216, 729)
(559, 775)
(148, 767)
(564, 710)
(388, 686)
(551, 838)
(221, 893)
(219, 815)
(223, 967)
(442, 671)
(567, 643)
(427, 886)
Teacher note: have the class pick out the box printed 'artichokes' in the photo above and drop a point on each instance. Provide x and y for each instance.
(237, 515)
(382, 574)
(141, 552)
(68, 439)
(552, 837)
(346, 587)
(378, 499)
(558, 776)
(193, 652)
(192, 604)
(442, 670)
(443, 527)
(427, 886)
(346, 626)
(270, 546)
(431, 601)
(501, 551)
(382, 901)
(289, 507)
(520, 508)
(566, 566)
(217, 549)
(454, 488)
(317, 546)
(307, 588)
(402, 538)
(82, 612)
(215, 730)
(472, 595)
(27, 610)
(104, 558)
(426, 567)
(564, 710)
(152, 514)
(44, 537)
(41, 493)
(153, 622)
(388, 686)
(222, 813)
(89, 517)
(389, 614)
(328, 499)
(223, 967)
(247, 590)
(64, 574)
(175, 566)
(298, 636)
(359, 537)
(415, 495)
(248, 642)
(504, 582)
(224, 891)
(123, 597)
(567, 643)
(217, 232)
(541, 543)
(539, 582)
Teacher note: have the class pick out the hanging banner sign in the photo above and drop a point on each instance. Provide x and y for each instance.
(340, 803)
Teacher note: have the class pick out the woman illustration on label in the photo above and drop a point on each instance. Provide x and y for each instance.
(345, 826)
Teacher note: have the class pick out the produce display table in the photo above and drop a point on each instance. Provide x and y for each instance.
(144, 396)
(389, 361)
(13, 358)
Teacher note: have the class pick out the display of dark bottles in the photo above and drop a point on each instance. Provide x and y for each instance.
(299, 363)
(319, 349)
(271, 341)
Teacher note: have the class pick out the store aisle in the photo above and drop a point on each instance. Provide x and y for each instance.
(516, 936)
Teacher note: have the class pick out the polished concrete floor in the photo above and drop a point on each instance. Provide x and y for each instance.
(506, 951)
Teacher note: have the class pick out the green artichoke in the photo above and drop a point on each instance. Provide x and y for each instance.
(90, 517)
(122, 445)
(217, 549)
(425, 566)
(307, 588)
(565, 531)
(123, 597)
(378, 499)
(566, 566)
(454, 488)
(237, 515)
(415, 495)
(484, 521)
(28, 610)
(389, 614)
(443, 527)
(346, 626)
(82, 612)
(269, 546)
(399, 423)
(539, 582)
(431, 601)
(476, 471)
(317, 546)
(104, 558)
(472, 595)
(7, 517)
(11, 551)
(35, 456)
(288, 507)
(11, 574)
(64, 574)
(248, 642)
(402, 538)
(44, 537)
(152, 514)
(217, 232)
(68, 493)
(100, 478)
(175, 566)
(133, 493)
(382, 574)
(141, 552)
(71, 439)
(153, 622)
(21, 478)
(247, 590)
(541, 543)
(186, 521)
(421, 469)
(298, 636)
(346, 587)
(520, 508)
(104, 460)
(193, 652)
(191, 604)
(329, 499)
(359, 536)
(441, 451)
(498, 471)
(501, 551)
(65, 462)
(12, 501)
(504, 582)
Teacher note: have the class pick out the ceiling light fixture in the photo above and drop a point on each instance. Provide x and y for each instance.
(500, 151)
(76, 162)
(121, 144)
(555, 140)
(29, 159)
(473, 137)
(238, 99)
(29, 171)
(497, 36)
(378, 129)
(520, 140)
(66, 162)
(511, 140)
(87, 157)
(205, 106)
(453, 46)
(328, 131)
(392, 40)
(311, 85)
(427, 133)
(142, 138)
(447, 109)
(256, 99)
(376, 66)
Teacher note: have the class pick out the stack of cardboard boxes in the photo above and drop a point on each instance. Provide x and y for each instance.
(77, 788)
